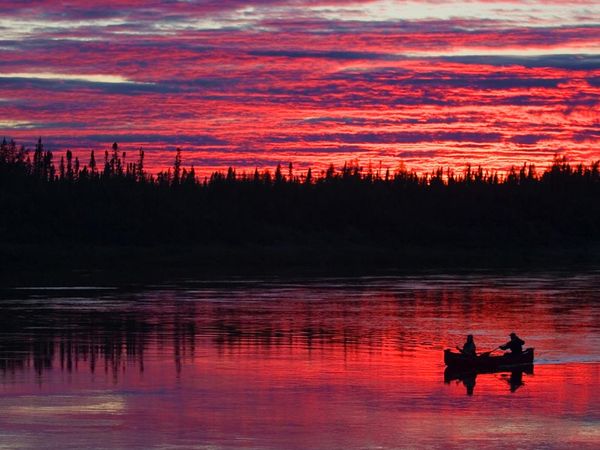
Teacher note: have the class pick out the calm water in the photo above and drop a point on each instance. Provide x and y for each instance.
(324, 363)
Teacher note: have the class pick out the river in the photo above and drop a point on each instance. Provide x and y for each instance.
(307, 363)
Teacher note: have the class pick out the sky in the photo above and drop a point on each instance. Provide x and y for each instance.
(419, 83)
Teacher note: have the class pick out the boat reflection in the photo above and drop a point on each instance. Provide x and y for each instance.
(514, 377)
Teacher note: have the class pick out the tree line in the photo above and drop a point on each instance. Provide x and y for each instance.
(112, 199)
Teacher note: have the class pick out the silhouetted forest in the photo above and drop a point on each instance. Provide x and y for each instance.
(112, 200)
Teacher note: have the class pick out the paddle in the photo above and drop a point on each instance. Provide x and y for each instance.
(488, 353)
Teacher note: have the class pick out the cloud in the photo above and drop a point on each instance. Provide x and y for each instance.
(530, 139)
(88, 78)
(316, 81)
(333, 54)
(394, 138)
(153, 138)
(567, 61)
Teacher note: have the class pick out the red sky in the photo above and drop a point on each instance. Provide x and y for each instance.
(256, 83)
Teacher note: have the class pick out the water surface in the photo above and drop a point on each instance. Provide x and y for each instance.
(311, 363)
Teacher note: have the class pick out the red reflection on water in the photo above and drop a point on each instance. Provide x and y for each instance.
(305, 368)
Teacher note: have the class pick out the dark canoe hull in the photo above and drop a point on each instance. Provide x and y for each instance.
(489, 362)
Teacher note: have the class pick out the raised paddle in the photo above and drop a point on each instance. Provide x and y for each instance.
(488, 353)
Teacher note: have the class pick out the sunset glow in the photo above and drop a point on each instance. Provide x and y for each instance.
(257, 83)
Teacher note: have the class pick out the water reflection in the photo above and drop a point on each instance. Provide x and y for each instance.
(514, 378)
(348, 363)
(49, 329)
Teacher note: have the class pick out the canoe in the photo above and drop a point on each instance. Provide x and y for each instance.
(483, 361)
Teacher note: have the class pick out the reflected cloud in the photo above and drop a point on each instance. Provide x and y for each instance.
(68, 405)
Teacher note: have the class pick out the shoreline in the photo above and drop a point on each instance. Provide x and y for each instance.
(26, 264)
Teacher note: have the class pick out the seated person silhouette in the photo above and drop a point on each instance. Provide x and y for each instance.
(469, 348)
(515, 345)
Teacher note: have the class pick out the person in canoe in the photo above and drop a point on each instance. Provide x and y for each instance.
(515, 345)
(469, 348)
